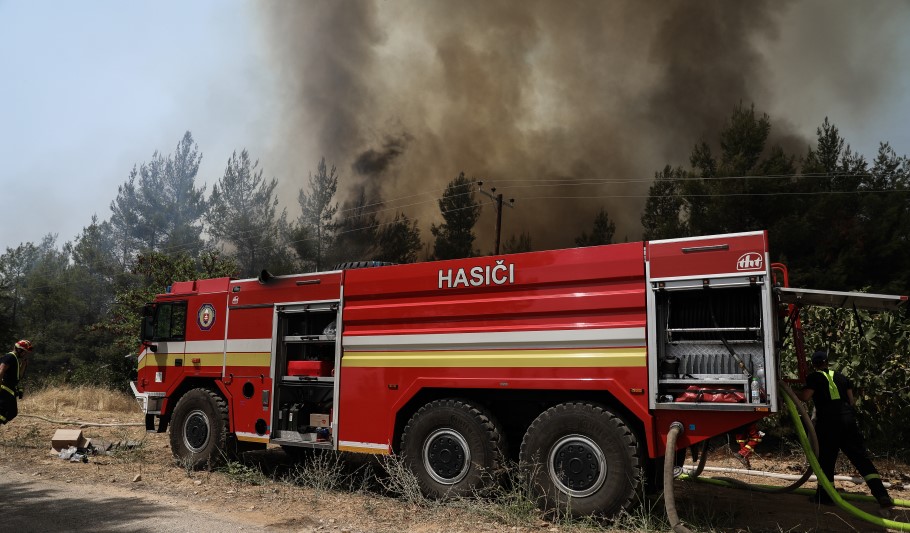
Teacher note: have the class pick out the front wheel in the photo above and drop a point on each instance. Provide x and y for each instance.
(454, 447)
(584, 458)
(199, 429)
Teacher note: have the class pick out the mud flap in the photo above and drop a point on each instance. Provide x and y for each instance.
(150, 423)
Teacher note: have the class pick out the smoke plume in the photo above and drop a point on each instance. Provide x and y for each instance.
(565, 106)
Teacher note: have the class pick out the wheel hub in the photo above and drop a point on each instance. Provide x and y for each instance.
(577, 466)
(446, 456)
(196, 431)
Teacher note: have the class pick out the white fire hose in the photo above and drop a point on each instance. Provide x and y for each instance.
(790, 477)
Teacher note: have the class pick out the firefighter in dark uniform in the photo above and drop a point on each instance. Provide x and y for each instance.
(12, 366)
(837, 429)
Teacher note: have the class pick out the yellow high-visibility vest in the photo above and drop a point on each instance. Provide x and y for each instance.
(832, 388)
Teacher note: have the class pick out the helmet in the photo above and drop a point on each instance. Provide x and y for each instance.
(24, 345)
(819, 357)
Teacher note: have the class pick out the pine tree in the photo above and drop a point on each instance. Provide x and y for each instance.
(159, 207)
(399, 240)
(601, 233)
(244, 214)
(518, 244)
(356, 230)
(664, 215)
(318, 214)
(454, 238)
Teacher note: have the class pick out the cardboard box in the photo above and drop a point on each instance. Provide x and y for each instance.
(64, 438)
(320, 420)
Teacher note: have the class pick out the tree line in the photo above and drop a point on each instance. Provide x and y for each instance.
(838, 221)
(80, 300)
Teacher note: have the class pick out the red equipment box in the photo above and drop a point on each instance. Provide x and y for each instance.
(309, 368)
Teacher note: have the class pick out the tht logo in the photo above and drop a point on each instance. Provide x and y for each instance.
(749, 261)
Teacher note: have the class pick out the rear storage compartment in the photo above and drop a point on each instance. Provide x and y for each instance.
(711, 336)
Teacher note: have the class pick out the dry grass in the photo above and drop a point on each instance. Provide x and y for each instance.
(354, 497)
(66, 400)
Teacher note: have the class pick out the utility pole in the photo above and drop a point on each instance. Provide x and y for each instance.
(498, 199)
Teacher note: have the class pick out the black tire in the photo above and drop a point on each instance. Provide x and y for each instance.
(199, 429)
(582, 458)
(454, 447)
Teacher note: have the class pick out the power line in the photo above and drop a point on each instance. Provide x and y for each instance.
(517, 182)
(497, 199)
(724, 195)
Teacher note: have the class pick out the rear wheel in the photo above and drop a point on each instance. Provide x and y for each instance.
(454, 447)
(199, 429)
(583, 458)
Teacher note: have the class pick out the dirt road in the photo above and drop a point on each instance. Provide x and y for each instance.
(44, 493)
(35, 505)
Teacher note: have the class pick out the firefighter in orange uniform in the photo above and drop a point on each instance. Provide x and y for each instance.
(837, 429)
(12, 366)
(748, 437)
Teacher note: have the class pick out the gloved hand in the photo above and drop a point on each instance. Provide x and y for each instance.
(19, 392)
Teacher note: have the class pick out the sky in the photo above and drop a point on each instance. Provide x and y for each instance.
(94, 87)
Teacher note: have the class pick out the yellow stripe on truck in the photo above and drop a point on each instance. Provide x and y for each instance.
(558, 358)
(207, 359)
(364, 447)
(249, 359)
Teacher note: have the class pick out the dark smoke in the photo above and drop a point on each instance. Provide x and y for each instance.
(514, 93)
(374, 162)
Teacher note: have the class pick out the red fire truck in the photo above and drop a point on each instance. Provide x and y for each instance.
(576, 361)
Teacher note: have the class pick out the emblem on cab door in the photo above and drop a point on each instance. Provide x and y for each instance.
(206, 317)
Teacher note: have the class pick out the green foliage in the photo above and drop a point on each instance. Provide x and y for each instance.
(837, 222)
(243, 474)
(159, 206)
(518, 244)
(399, 241)
(875, 358)
(318, 214)
(601, 233)
(880, 253)
(454, 238)
(663, 217)
(15, 265)
(244, 215)
(152, 274)
(43, 308)
(719, 197)
(717, 194)
(356, 232)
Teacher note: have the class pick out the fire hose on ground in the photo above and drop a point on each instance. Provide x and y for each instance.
(81, 423)
(669, 499)
(856, 480)
(809, 442)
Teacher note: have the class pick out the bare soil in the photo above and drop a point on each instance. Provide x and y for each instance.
(268, 501)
